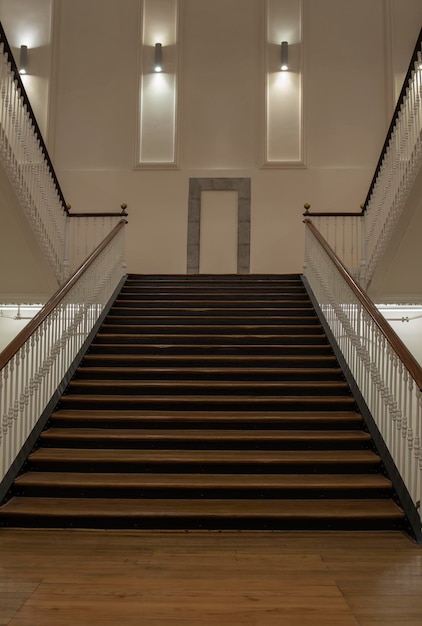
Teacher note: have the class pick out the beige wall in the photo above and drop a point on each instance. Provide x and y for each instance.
(28, 23)
(353, 53)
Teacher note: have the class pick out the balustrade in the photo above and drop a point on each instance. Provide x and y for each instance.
(35, 363)
(387, 375)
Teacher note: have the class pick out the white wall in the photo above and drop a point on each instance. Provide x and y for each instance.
(28, 23)
(12, 321)
(407, 323)
(221, 102)
(347, 74)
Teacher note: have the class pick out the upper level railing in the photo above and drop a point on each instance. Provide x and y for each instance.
(35, 363)
(360, 238)
(388, 376)
(24, 157)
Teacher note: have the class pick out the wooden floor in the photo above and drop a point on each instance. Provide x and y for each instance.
(68, 578)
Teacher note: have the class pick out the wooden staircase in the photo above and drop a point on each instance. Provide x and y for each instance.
(206, 402)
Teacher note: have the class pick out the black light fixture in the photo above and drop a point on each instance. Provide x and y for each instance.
(284, 56)
(158, 58)
(23, 60)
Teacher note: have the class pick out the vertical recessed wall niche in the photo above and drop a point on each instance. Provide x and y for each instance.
(158, 141)
(283, 144)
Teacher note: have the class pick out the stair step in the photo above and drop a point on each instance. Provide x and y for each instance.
(289, 482)
(203, 402)
(144, 458)
(127, 436)
(238, 303)
(212, 310)
(274, 332)
(200, 512)
(312, 419)
(210, 315)
(103, 345)
(214, 287)
(226, 374)
(240, 362)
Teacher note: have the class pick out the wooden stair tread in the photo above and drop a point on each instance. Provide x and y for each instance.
(208, 384)
(204, 435)
(278, 509)
(213, 312)
(207, 456)
(186, 481)
(292, 371)
(129, 313)
(112, 330)
(203, 399)
(130, 326)
(287, 361)
(231, 416)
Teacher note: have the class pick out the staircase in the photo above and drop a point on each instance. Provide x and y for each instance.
(206, 402)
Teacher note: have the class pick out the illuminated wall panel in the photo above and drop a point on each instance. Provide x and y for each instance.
(158, 90)
(284, 132)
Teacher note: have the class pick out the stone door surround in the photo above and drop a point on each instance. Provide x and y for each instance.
(243, 188)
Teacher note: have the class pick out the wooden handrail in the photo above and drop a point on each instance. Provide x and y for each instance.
(17, 343)
(123, 212)
(308, 213)
(412, 366)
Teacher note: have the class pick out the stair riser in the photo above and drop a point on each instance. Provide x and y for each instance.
(187, 523)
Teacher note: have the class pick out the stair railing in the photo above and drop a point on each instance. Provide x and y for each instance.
(388, 376)
(360, 238)
(36, 363)
(25, 159)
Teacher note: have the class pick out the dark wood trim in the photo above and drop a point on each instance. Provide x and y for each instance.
(121, 214)
(327, 214)
(403, 353)
(38, 319)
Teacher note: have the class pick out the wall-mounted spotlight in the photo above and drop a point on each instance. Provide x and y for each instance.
(284, 56)
(23, 60)
(158, 58)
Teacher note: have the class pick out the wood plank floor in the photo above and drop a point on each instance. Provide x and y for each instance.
(202, 578)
